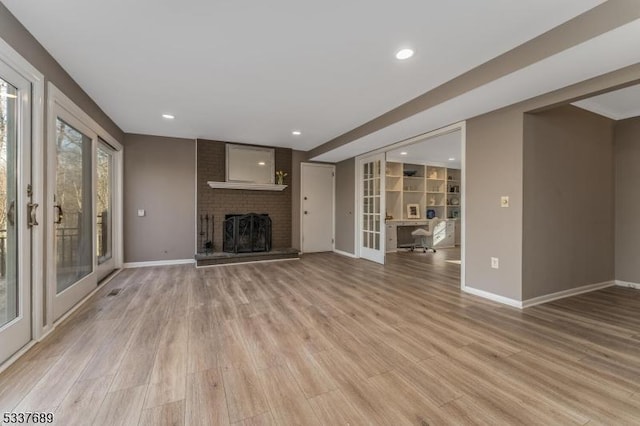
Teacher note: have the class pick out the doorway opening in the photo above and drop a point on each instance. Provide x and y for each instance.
(412, 195)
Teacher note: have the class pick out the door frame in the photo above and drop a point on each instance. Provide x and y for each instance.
(303, 165)
(459, 126)
(14, 60)
(359, 194)
(57, 100)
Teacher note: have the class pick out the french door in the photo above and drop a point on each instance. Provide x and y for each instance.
(371, 199)
(72, 243)
(17, 214)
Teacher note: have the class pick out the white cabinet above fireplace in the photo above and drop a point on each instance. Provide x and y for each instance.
(247, 186)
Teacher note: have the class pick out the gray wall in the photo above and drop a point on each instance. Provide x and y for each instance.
(159, 176)
(627, 179)
(568, 236)
(495, 166)
(345, 202)
(493, 169)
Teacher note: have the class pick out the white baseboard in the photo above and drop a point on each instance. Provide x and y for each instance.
(566, 293)
(344, 253)
(628, 284)
(128, 265)
(495, 297)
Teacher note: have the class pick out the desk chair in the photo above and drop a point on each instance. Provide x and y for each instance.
(421, 239)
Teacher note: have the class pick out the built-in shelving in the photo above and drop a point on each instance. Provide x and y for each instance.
(435, 189)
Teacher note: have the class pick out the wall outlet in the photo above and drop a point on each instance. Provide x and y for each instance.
(504, 201)
(141, 212)
(495, 263)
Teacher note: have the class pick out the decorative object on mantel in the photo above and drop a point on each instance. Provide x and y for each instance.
(246, 185)
(431, 214)
(280, 175)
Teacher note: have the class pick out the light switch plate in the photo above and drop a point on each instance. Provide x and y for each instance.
(141, 212)
(504, 201)
(495, 263)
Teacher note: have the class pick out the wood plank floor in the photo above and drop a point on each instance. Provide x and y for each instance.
(331, 340)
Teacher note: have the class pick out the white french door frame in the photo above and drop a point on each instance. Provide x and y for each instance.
(26, 71)
(60, 106)
(460, 126)
(373, 255)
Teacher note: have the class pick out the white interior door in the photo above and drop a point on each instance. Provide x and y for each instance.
(371, 201)
(15, 219)
(71, 176)
(317, 199)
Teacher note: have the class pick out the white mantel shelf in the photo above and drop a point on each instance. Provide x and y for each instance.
(247, 185)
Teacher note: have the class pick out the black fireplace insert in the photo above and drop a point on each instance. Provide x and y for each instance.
(246, 233)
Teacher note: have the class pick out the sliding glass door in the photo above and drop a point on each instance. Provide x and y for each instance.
(73, 213)
(15, 212)
(104, 209)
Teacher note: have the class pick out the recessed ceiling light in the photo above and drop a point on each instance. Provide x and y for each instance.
(168, 116)
(403, 153)
(404, 54)
(296, 133)
(261, 163)
(452, 159)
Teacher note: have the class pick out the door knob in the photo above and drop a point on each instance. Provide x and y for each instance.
(305, 198)
(305, 212)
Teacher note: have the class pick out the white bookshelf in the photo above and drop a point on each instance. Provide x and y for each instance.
(430, 187)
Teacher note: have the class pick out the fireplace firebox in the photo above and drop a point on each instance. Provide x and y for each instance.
(246, 233)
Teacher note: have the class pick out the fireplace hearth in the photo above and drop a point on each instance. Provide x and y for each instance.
(246, 233)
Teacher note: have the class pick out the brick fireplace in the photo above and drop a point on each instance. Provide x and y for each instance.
(221, 202)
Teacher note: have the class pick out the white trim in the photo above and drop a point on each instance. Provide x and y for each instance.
(627, 284)
(13, 59)
(566, 293)
(344, 253)
(247, 263)
(494, 297)
(13, 358)
(304, 164)
(129, 265)
(247, 186)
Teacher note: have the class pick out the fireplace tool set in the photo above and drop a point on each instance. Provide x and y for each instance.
(205, 238)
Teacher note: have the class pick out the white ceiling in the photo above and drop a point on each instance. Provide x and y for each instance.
(435, 151)
(252, 72)
(618, 105)
(582, 62)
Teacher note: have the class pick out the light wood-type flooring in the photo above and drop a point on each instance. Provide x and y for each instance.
(335, 341)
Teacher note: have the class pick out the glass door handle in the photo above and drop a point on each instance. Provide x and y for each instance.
(60, 215)
(32, 208)
(11, 213)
